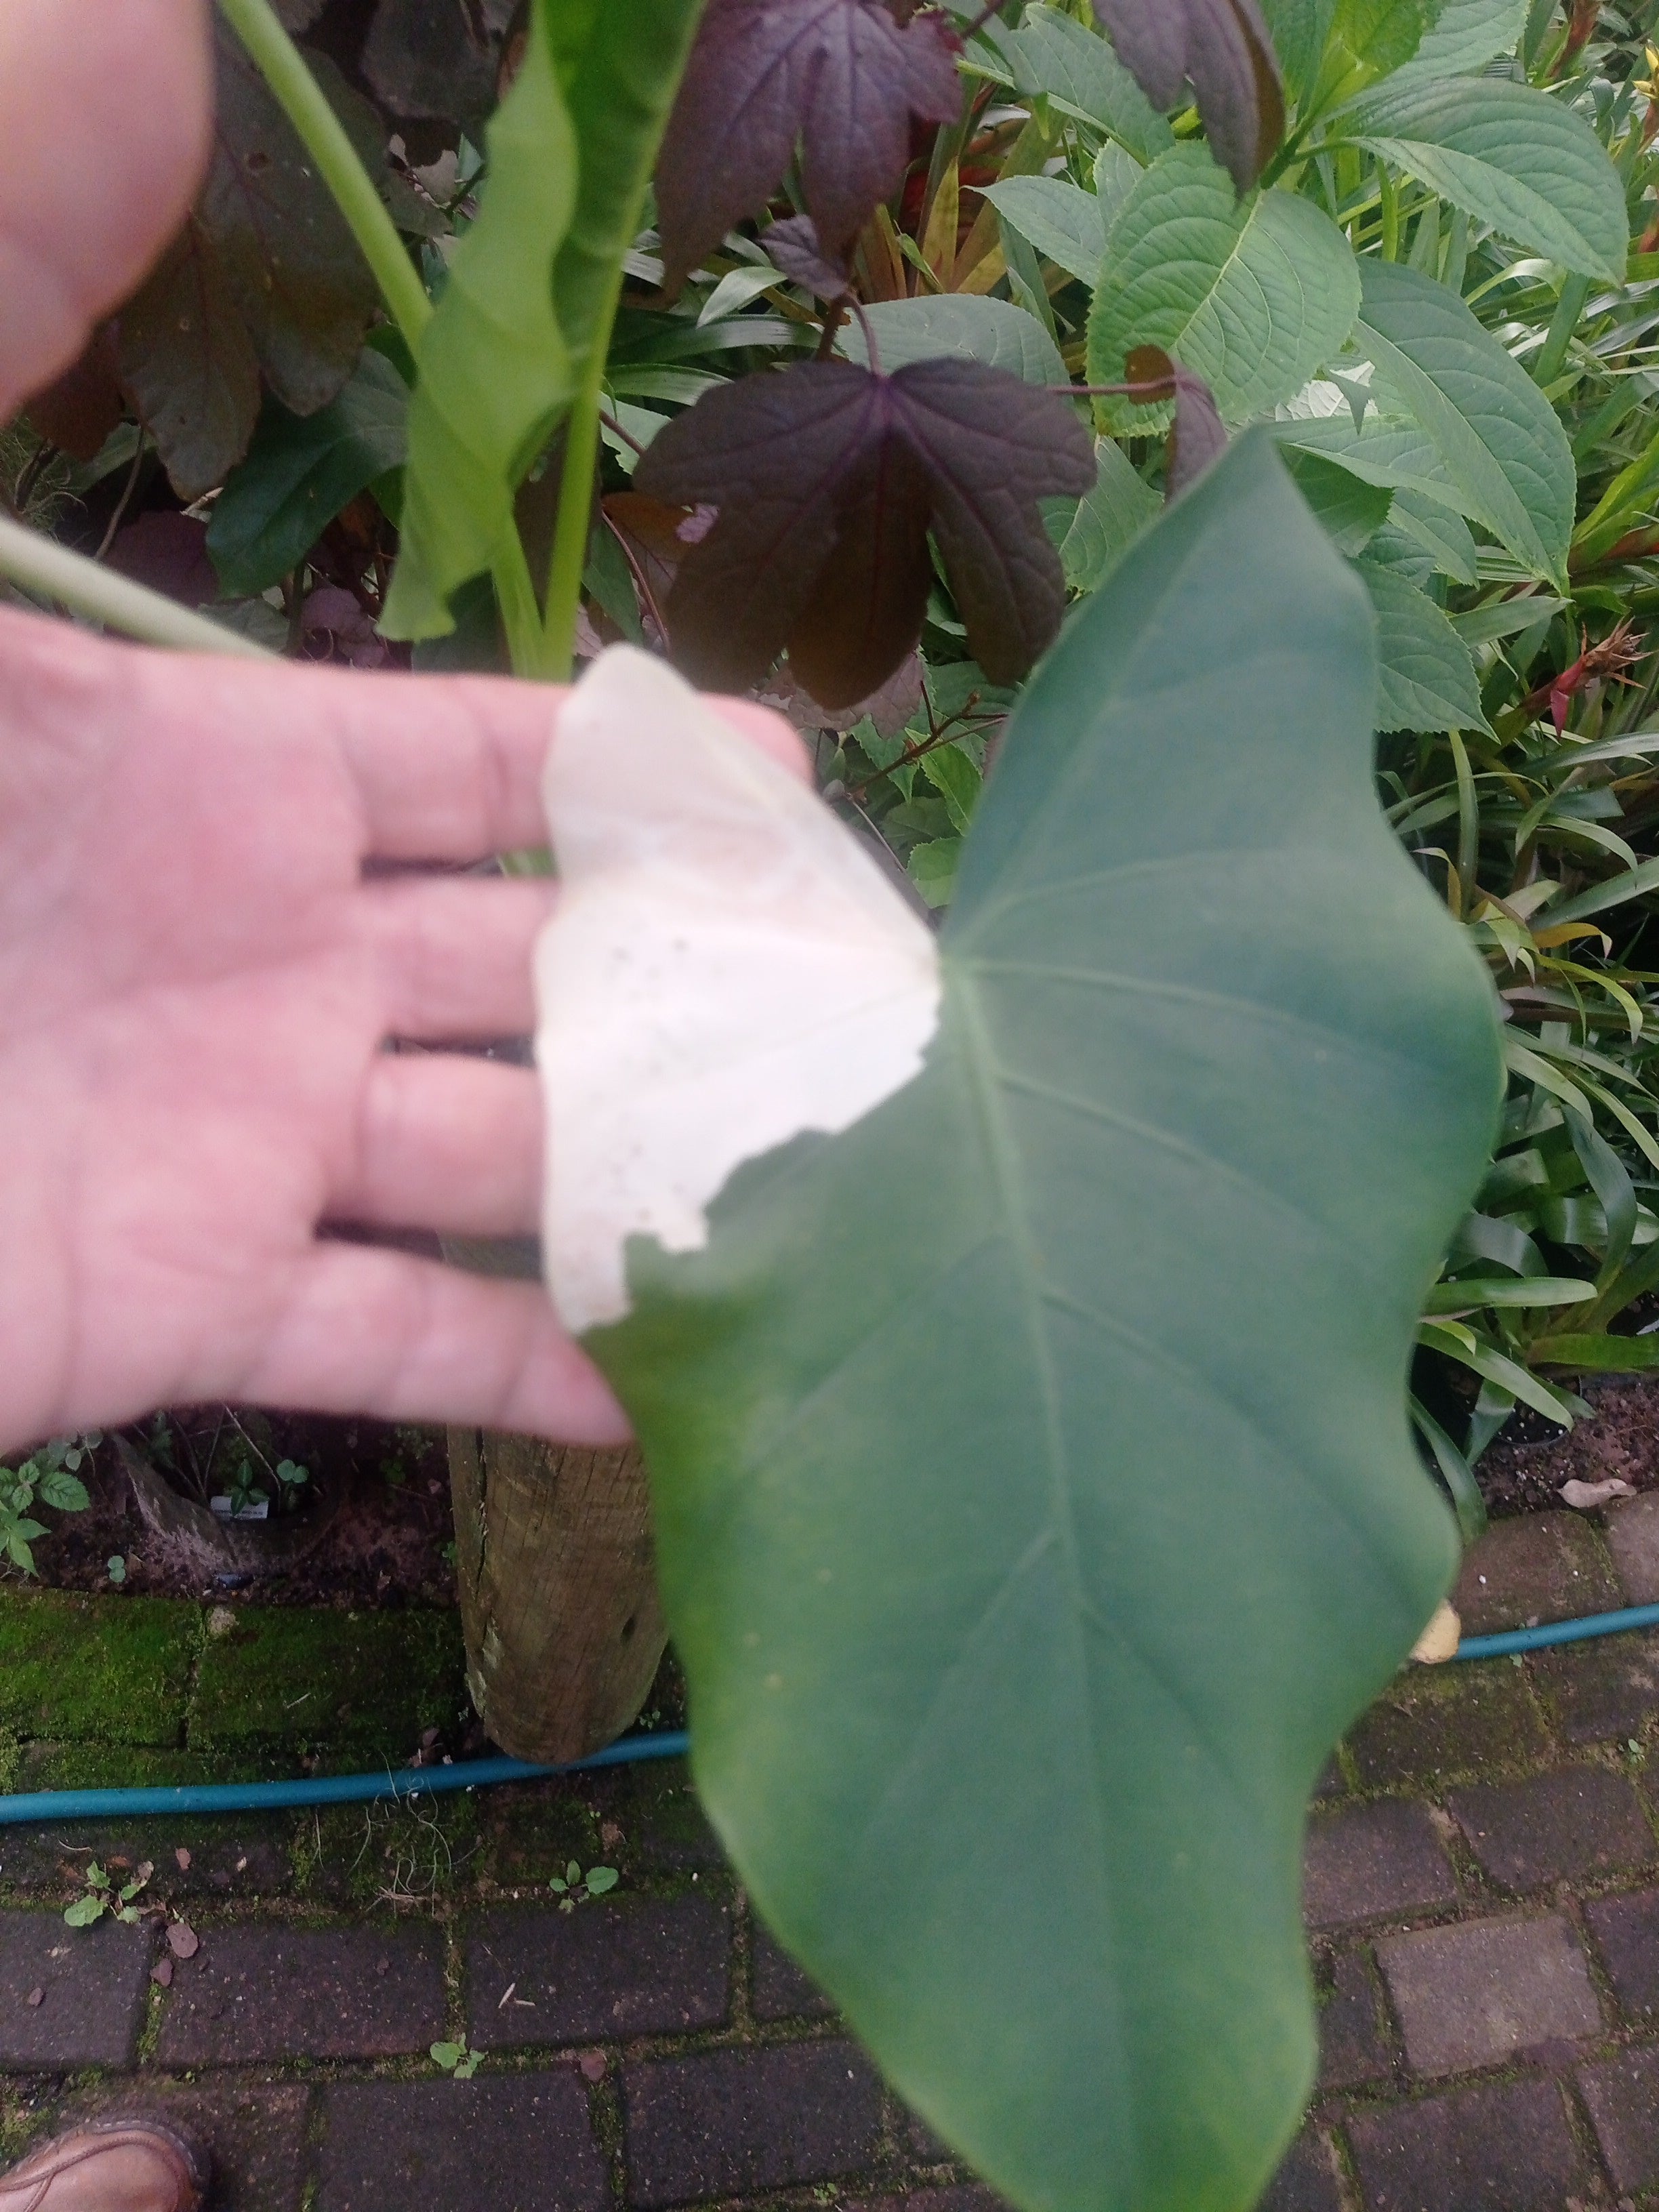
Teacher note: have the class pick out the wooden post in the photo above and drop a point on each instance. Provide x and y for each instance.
(564, 1628)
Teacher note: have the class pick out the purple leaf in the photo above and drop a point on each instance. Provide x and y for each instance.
(1197, 436)
(1222, 47)
(843, 77)
(828, 479)
(168, 552)
(794, 248)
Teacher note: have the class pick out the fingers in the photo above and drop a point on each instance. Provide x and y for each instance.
(448, 1144)
(452, 770)
(104, 117)
(366, 1331)
(455, 954)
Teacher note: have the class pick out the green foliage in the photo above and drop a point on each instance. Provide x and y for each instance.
(457, 2059)
(1174, 1536)
(103, 1895)
(1253, 294)
(50, 1477)
(1514, 159)
(1496, 436)
(573, 1887)
(300, 471)
(531, 288)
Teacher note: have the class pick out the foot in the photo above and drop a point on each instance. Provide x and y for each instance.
(114, 2165)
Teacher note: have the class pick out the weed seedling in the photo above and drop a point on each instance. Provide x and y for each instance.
(102, 1896)
(571, 1889)
(456, 2059)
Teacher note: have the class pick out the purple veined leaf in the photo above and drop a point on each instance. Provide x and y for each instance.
(841, 77)
(1222, 49)
(889, 708)
(828, 479)
(1197, 436)
(794, 249)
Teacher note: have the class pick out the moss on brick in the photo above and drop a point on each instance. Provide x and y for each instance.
(95, 1669)
(312, 1677)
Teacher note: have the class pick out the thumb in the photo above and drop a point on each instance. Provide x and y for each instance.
(105, 119)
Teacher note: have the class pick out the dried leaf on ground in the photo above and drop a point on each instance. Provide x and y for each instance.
(183, 1940)
(1585, 1497)
(828, 481)
(843, 77)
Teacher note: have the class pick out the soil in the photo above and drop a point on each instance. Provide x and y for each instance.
(384, 1492)
(1521, 1471)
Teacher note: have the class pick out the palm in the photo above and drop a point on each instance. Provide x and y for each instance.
(196, 984)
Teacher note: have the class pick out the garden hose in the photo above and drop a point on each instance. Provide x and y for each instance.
(480, 1773)
(322, 1789)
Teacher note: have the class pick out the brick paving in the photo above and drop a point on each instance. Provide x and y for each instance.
(1482, 1901)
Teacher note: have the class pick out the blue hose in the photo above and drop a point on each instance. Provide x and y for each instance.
(324, 1790)
(1558, 1631)
(479, 1774)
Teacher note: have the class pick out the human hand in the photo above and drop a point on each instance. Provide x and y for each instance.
(105, 108)
(196, 984)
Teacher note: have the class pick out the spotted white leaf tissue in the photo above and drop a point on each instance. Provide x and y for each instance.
(726, 967)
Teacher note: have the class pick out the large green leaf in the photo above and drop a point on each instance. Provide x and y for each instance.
(994, 332)
(1034, 1500)
(1073, 67)
(1059, 218)
(1385, 451)
(1254, 295)
(299, 473)
(570, 151)
(1425, 679)
(1513, 158)
(1498, 437)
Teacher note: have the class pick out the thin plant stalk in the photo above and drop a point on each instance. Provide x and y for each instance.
(574, 518)
(40, 565)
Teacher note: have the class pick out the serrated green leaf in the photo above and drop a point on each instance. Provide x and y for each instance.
(1440, 531)
(1058, 217)
(1385, 451)
(1425, 678)
(1497, 438)
(957, 782)
(994, 332)
(996, 1529)
(1376, 37)
(1514, 159)
(64, 1493)
(1071, 64)
(1253, 294)
(300, 471)
(1107, 521)
(1468, 34)
(1349, 510)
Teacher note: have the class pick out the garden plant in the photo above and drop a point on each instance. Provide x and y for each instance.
(1229, 428)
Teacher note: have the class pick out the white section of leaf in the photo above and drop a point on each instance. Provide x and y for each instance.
(725, 968)
(1584, 1497)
